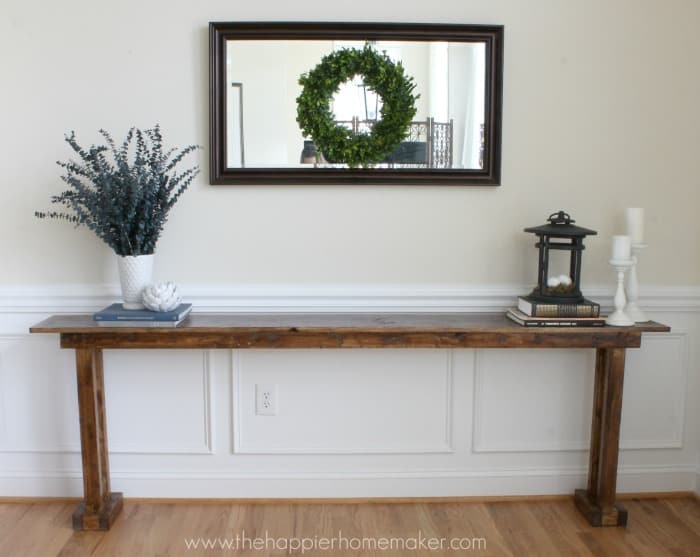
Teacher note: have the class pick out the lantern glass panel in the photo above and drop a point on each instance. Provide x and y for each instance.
(559, 260)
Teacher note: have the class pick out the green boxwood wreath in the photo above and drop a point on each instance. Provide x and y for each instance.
(387, 79)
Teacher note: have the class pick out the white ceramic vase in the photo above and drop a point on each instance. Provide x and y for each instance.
(135, 274)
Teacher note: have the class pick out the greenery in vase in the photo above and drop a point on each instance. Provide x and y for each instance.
(123, 198)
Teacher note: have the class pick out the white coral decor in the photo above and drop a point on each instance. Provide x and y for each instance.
(161, 297)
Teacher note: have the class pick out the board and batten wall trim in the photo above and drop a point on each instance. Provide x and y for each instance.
(442, 443)
(672, 441)
(461, 450)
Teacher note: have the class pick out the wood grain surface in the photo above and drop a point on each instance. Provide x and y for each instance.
(659, 528)
(350, 330)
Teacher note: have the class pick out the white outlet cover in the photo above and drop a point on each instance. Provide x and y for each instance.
(266, 399)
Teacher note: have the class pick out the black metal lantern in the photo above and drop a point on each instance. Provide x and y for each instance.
(560, 234)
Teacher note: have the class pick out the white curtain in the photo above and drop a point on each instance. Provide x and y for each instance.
(467, 67)
(438, 78)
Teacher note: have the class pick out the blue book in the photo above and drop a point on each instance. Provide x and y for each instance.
(116, 312)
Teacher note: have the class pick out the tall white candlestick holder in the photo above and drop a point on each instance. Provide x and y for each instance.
(632, 309)
(619, 318)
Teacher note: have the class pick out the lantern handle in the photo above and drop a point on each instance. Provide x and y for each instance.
(560, 217)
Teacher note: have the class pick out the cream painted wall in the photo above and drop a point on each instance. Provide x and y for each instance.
(601, 112)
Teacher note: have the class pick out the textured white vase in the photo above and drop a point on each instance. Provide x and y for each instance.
(135, 273)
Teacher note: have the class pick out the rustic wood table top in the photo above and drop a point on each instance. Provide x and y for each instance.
(341, 330)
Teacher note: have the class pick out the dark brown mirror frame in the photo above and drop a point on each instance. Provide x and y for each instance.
(220, 32)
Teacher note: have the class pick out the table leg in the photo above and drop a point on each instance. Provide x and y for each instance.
(597, 502)
(100, 507)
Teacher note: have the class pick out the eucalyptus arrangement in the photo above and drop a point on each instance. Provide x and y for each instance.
(123, 194)
(124, 201)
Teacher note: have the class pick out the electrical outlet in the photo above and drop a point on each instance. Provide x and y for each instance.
(266, 400)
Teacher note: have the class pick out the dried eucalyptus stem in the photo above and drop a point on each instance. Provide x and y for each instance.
(123, 198)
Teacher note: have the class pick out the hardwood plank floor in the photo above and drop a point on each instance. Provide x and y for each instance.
(657, 527)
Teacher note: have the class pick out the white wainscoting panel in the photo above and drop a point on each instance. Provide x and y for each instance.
(345, 401)
(38, 396)
(529, 400)
(159, 401)
(656, 381)
(351, 423)
(532, 400)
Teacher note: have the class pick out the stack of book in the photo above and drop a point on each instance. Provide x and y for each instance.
(531, 313)
(116, 316)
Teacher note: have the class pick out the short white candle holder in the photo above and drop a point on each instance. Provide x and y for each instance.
(619, 318)
(632, 309)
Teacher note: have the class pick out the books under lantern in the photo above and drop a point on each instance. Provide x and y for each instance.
(116, 316)
(533, 308)
(525, 320)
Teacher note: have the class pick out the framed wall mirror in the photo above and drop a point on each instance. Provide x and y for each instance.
(454, 137)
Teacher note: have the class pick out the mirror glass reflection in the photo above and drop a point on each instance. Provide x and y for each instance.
(262, 87)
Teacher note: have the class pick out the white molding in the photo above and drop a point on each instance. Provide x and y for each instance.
(677, 441)
(239, 448)
(135, 448)
(207, 446)
(208, 387)
(480, 445)
(456, 473)
(449, 402)
(325, 298)
(217, 483)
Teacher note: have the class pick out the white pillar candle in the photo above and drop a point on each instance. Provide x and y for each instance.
(635, 224)
(621, 248)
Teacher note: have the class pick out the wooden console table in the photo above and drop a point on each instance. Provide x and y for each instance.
(445, 330)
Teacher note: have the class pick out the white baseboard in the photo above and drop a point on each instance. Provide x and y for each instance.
(430, 483)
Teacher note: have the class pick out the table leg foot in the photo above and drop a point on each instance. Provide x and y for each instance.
(598, 516)
(101, 519)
